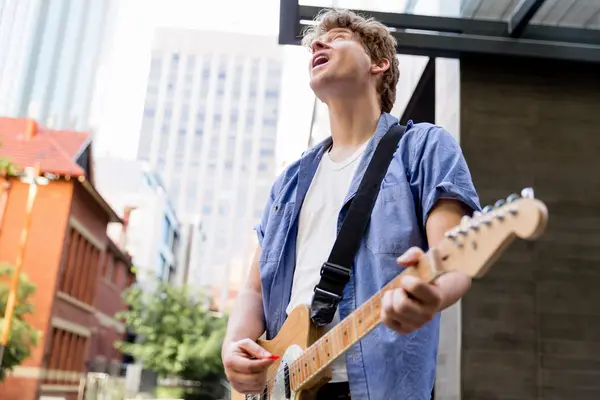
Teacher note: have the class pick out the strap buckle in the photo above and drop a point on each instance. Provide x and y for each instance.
(335, 272)
(324, 305)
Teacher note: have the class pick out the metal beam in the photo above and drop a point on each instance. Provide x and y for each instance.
(467, 26)
(420, 22)
(453, 37)
(521, 16)
(455, 45)
(289, 22)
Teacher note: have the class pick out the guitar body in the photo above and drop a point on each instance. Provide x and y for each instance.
(296, 335)
(306, 352)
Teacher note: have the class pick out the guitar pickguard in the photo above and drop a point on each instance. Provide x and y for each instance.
(280, 388)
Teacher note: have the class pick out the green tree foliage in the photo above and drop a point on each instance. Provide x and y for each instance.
(7, 167)
(179, 336)
(22, 336)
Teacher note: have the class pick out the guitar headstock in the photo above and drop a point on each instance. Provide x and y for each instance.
(475, 244)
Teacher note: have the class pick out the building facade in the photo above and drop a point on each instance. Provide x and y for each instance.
(151, 232)
(76, 268)
(51, 50)
(115, 276)
(210, 129)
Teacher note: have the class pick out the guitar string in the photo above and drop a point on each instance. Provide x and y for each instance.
(370, 327)
(285, 374)
(315, 346)
(280, 373)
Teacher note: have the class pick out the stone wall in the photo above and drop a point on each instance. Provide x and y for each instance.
(531, 327)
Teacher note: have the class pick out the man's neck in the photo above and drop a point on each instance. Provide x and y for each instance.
(352, 123)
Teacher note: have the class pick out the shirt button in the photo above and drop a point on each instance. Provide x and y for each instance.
(276, 208)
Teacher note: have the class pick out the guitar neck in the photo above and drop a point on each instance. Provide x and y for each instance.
(350, 330)
(471, 248)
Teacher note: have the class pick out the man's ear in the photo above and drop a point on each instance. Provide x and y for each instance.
(380, 66)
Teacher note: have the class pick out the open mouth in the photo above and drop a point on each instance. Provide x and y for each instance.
(320, 60)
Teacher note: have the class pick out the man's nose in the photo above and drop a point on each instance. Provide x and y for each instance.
(318, 45)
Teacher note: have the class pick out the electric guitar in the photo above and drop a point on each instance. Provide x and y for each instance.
(306, 354)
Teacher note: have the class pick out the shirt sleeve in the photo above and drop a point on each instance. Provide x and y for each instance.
(439, 171)
(261, 227)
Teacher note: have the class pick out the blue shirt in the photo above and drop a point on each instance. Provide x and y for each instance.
(427, 166)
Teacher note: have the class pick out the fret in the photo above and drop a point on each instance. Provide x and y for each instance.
(355, 337)
(317, 352)
(293, 376)
(344, 333)
(369, 314)
(360, 318)
(315, 364)
(326, 351)
(302, 372)
(339, 340)
(377, 306)
(333, 342)
(327, 348)
(351, 335)
(305, 360)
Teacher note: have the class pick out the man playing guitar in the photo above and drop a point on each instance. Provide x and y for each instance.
(425, 192)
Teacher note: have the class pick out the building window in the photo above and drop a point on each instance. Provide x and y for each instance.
(109, 268)
(162, 262)
(166, 229)
(175, 245)
(66, 353)
(267, 152)
(270, 122)
(80, 265)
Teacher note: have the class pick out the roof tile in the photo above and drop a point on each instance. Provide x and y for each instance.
(25, 143)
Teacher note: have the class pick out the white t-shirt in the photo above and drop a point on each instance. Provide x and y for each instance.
(317, 231)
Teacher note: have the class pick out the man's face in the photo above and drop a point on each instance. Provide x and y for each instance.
(339, 64)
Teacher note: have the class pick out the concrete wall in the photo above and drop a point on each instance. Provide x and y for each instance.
(447, 114)
(531, 327)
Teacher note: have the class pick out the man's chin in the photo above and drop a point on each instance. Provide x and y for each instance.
(320, 82)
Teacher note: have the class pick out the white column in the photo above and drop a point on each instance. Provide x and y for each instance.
(207, 221)
(160, 109)
(190, 134)
(174, 125)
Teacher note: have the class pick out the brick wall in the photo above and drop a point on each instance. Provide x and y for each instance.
(44, 247)
(531, 328)
(116, 276)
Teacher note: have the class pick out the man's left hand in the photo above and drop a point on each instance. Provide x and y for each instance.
(414, 304)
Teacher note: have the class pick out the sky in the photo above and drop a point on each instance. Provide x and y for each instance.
(121, 81)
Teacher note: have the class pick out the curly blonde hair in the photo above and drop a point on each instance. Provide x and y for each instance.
(374, 36)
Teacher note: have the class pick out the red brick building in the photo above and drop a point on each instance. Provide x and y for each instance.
(78, 271)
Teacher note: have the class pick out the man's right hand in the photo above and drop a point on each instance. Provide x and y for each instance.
(246, 365)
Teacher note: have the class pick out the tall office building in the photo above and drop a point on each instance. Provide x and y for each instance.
(49, 54)
(210, 128)
(151, 232)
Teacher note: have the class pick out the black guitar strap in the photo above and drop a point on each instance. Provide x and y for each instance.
(335, 273)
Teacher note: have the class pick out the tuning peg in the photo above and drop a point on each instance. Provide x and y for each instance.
(476, 214)
(512, 198)
(487, 209)
(528, 193)
(499, 203)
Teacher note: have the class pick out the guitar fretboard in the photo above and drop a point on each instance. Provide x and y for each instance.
(339, 339)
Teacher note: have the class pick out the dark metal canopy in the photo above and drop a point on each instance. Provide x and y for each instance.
(549, 29)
